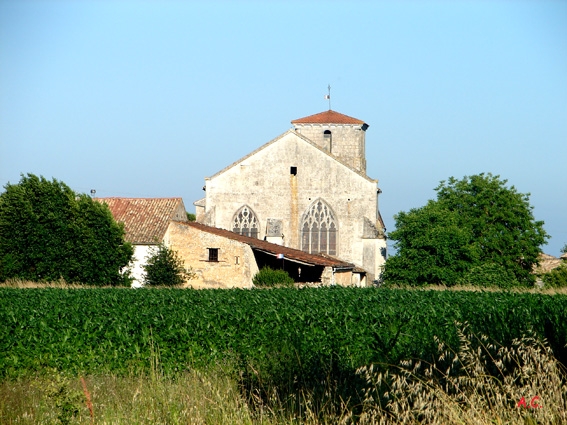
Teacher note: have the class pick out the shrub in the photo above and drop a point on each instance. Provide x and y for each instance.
(268, 277)
(164, 267)
(556, 278)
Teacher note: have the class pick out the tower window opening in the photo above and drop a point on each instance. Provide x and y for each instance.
(293, 170)
(328, 137)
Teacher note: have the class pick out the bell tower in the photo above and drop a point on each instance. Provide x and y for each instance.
(340, 135)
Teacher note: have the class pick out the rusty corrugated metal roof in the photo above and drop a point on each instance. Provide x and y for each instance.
(328, 117)
(145, 219)
(289, 253)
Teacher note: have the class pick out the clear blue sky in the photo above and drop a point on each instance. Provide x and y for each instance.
(147, 98)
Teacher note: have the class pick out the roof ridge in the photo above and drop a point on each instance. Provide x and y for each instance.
(302, 137)
(238, 161)
(328, 117)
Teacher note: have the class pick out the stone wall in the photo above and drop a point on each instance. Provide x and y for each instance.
(346, 142)
(236, 265)
(266, 182)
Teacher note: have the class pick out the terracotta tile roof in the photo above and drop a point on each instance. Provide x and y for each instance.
(146, 219)
(289, 253)
(328, 117)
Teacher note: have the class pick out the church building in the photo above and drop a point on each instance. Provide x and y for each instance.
(306, 189)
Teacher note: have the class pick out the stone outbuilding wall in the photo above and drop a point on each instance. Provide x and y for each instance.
(223, 259)
(234, 267)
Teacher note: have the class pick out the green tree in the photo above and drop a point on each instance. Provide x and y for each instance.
(428, 239)
(476, 226)
(49, 232)
(164, 267)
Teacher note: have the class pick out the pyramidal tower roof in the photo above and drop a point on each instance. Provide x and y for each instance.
(328, 117)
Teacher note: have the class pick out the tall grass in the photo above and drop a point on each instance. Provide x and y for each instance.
(480, 383)
(28, 284)
(190, 398)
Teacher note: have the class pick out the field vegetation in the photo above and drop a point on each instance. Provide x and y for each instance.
(483, 384)
(327, 355)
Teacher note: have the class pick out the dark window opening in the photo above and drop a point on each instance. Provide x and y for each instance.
(213, 254)
(327, 135)
(293, 170)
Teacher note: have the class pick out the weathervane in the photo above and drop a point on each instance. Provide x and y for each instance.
(328, 96)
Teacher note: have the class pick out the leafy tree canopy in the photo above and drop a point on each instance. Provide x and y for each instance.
(476, 226)
(49, 232)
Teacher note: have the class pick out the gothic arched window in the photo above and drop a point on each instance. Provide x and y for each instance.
(319, 229)
(245, 222)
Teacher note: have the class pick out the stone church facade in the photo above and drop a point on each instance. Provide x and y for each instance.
(306, 189)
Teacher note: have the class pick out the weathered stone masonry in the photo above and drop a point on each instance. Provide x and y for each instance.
(310, 186)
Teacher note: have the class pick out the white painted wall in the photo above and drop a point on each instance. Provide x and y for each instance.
(139, 260)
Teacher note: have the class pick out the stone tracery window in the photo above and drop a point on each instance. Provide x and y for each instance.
(245, 222)
(319, 229)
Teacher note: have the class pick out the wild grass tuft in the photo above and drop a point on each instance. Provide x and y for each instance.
(481, 383)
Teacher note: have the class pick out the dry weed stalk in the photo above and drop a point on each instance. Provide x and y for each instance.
(481, 383)
(88, 399)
